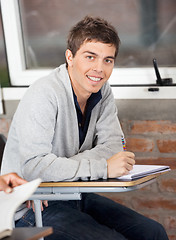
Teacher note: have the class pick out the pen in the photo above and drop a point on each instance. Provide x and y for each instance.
(123, 144)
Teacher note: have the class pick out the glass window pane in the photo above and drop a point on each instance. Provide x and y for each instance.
(4, 76)
(147, 29)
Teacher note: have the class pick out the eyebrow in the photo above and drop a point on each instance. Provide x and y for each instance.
(89, 52)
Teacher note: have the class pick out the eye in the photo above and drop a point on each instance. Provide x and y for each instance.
(90, 57)
(108, 61)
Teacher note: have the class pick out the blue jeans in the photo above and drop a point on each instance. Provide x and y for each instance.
(95, 218)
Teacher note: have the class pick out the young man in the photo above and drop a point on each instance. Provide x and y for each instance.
(66, 128)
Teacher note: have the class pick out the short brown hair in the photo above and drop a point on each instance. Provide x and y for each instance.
(92, 28)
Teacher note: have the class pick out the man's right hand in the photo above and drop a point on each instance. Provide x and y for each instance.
(120, 164)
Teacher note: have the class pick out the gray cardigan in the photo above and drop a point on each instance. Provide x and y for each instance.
(43, 140)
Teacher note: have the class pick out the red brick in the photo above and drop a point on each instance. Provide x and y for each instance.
(172, 237)
(154, 203)
(166, 146)
(139, 145)
(148, 188)
(168, 185)
(170, 222)
(140, 127)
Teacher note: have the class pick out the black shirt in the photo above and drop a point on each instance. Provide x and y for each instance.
(83, 120)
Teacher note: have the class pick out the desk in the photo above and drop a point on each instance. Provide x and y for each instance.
(73, 190)
(27, 233)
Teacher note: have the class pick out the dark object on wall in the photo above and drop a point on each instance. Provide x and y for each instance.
(161, 81)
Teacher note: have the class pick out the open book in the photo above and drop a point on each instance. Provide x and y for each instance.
(9, 202)
(144, 170)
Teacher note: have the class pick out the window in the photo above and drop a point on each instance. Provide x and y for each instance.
(36, 33)
(146, 29)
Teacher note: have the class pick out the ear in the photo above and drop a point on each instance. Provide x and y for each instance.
(69, 57)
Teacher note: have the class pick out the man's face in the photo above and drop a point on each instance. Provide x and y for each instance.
(91, 67)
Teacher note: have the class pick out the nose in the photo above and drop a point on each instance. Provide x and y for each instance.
(98, 66)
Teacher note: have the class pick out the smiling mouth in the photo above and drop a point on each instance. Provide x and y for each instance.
(95, 79)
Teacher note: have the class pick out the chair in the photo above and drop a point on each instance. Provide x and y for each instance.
(2, 146)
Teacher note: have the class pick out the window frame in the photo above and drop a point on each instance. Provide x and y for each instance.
(122, 80)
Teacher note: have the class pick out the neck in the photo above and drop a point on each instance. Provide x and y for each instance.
(81, 98)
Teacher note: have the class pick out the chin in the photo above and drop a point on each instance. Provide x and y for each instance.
(95, 90)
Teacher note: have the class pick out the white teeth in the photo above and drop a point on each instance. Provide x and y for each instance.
(94, 78)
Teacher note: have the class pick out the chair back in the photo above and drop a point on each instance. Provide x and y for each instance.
(2, 146)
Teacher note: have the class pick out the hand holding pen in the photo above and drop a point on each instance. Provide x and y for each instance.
(120, 163)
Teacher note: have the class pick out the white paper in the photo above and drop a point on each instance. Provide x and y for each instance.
(144, 170)
(9, 202)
